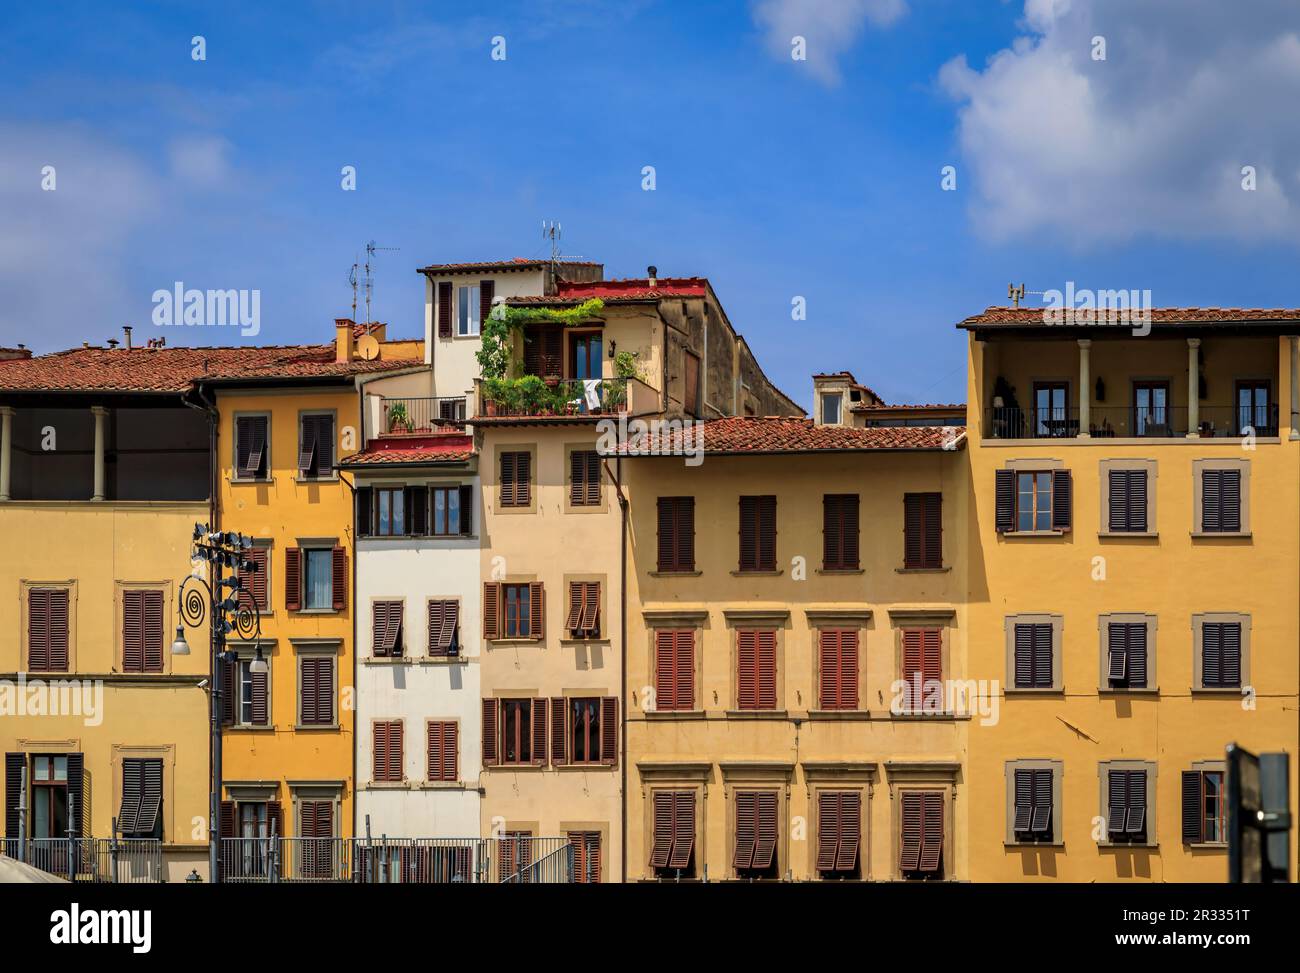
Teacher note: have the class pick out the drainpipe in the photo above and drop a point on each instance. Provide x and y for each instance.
(622, 617)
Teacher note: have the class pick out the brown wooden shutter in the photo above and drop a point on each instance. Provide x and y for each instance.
(559, 731)
(340, 578)
(765, 841)
(932, 841)
(395, 761)
(584, 478)
(77, 794)
(308, 693)
(226, 831)
(691, 399)
(487, 290)
(846, 860)
(308, 435)
(536, 611)
(15, 763)
(746, 669)
(923, 530)
(684, 544)
(261, 715)
(1005, 506)
(275, 818)
(253, 584)
(839, 669)
(913, 829)
(609, 731)
(684, 645)
(38, 629)
(1062, 499)
(417, 511)
(444, 309)
(491, 609)
(466, 510)
(490, 737)
(451, 751)
(828, 830)
(593, 477)
(832, 532)
(766, 669)
(767, 534)
(538, 721)
(748, 533)
(572, 624)
(661, 847)
(59, 630)
(365, 508)
(133, 631)
(379, 752)
(1193, 806)
(683, 830)
(523, 479)
(746, 829)
(229, 691)
(292, 579)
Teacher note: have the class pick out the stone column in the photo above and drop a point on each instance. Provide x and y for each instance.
(1085, 389)
(1193, 389)
(6, 447)
(101, 416)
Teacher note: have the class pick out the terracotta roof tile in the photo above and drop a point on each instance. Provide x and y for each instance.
(512, 263)
(614, 291)
(1031, 316)
(421, 452)
(774, 434)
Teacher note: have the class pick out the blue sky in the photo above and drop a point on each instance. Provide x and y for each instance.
(775, 178)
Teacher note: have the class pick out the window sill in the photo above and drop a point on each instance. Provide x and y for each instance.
(442, 660)
(757, 714)
(922, 570)
(676, 714)
(839, 714)
(252, 480)
(266, 728)
(389, 538)
(516, 767)
(1216, 691)
(319, 611)
(441, 785)
(1033, 690)
(386, 660)
(317, 727)
(387, 785)
(1121, 845)
(928, 715)
(598, 640)
(841, 570)
(315, 479)
(1023, 845)
(1207, 845)
(1212, 534)
(674, 574)
(777, 572)
(1141, 535)
(1034, 533)
(598, 765)
(1126, 691)
(516, 641)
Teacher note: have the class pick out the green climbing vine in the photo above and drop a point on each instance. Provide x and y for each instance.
(524, 393)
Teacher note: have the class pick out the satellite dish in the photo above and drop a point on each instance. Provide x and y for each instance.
(368, 347)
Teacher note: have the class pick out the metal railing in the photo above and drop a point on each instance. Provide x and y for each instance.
(424, 861)
(421, 416)
(1132, 422)
(103, 860)
(529, 397)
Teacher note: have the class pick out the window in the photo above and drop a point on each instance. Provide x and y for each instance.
(516, 479)
(584, 610)
(922, 670)
(56, 788)
(255, 585)
(674, 669)
(1033, 809)
(467, 310)
(514, 611)
(444, 628)
(758, 533)
(585, 730)
(1126, 655)
(672, 853)
(390, 512)
(518, 730)
(586, 856)
(316, 446)
(839, 833)
(838, 657)
(251, 452)
(922, 530)
(676, 533)
(585, 357)
(442, 750)
(584, 478)
(47, 629)
(1033, 501)
(756, 831)
(1127, 507)
(515, 857)
(315, 579)
(142, 631)
(544, 350)
(1220, 655)
(1033, 655)
(1204, 810)
(839, 532)
(921, 844)
(386, 751)
(756, 669)
(832, 407)
(316, 826)
(1220, 501)
(1151, 413)
(140, 815)
(316, 691)
(252, 706)
(318, 586)
(387, 618)
(1254, 410)
(451, 510)
(1052, 410)
(1126, 805)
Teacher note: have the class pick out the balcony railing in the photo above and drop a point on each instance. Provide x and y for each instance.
(565, 397)
(102, 860)
(425, 861)
(421, 416)
(1129, 422)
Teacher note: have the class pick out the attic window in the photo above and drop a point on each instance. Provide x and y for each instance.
(855, 395)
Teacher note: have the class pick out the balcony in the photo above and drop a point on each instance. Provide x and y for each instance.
(533, 397)
(406, 416)
(1120, 422)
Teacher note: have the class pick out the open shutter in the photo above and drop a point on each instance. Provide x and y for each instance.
(150, 796)
(77, 793)
(365, 506)
(308, 436)
(260, 714)
(132, 791)
(590, 621)
(466, 510)
(1062, 499)
(538, 719)
(746, 829)
(444, 310)
(577, 593)
(491, 609)
(910, 846)
(536, 611)
(1136, 641)
(133, 631)
(1117, 663)
(932, 839)
(339, 572)
(1005, 505)
(14, 765)
(559, 731)
(609, 730)
(1193, 804)
(846, 860)
(1135, 821)
(292, 579)
(1024, 810)
(662, 846)
(832, 532)
(1116, 802)
(828, 830)
(683, 830)
(490, 736)
(766, 830)
(417, 511)
(487, 290)
(1041, 823)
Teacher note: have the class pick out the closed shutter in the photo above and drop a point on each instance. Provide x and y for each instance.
(676, 533)
(516, 479)
(226, 830)
(1136, 638)
(252, 584)
(913, 830)
(922, 664)
(77, 793)
(691, 398)
(1005, 505)
(1231, 664)
(339, 578)
(1193, 806)
(559, 731)
(444, 310)
(746, 669)
(1212, 654)
(260, 714)
(538, 720)
(229, 691)
(746, 829)
(292, 579)
(609, 731)
(923, 530)
(487, 290)
(536, 611)
(15, 763)
(584, 478)
(365, 511)
(840, 532)
(674, 669)
(1221, 500)
(1128, 501)
(1062, 499)
(379, 752)
(767, 534)
(758, 533)
(1033, 648)
(586, 856)
(151, 634)
(491, 610)
(507, 479)
(839, 669)
(490, 735)
(47, 635)
(133, 631)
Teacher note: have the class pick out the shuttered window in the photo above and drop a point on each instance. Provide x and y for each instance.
(521, 726)
(1033, 808)
(140, 813)
(922, 657)
(253, 699)
(922, 530)
(514, 857)
(1034, 501)
(444, 628)
(921, 842)
(1127, 505)
(584, 730)
(840, 532)
(254, 584)
(756, 669)
(386, 751)
(142, 631)
(47, 629)
(838, 664)
(516, 479)
(487, 291)
(544, 350)
(1221, 655)
(676, 533)
(584, 478)
(316, 446)
(1126, 793)
(758, 533)
(672, 852)
(442, 747)
(586, 856)
(1126, 655)
(674, 669)
(251, 460)
(1033, 655)
(583, 621)
(756, 832)
(387, 626)
(319, 856)
(839, 833)
(1204, 808)
(1220, 501)
(316, 690)
(452, 511)
(514, 611)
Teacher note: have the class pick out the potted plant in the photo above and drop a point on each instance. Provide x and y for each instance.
(398, 418)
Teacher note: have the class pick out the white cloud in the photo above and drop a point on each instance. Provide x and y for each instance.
(830, 27)
(1150, 141)
(200, 160)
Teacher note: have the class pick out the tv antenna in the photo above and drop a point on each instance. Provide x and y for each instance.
(368, 279)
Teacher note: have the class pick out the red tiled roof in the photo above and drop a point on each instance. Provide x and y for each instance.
(174, 369)
(773, 434)
(1034, 316)
(513, 263)
(424, 451)
(614, 291)
(881, 407)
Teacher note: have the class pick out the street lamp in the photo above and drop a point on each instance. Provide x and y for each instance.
(197, 601)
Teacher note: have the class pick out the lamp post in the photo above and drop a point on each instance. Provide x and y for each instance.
(200, 598)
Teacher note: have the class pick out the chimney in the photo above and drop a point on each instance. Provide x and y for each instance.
(126, 330)
(343, 344)
(653, 273)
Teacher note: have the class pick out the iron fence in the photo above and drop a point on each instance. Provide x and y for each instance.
(100, 860)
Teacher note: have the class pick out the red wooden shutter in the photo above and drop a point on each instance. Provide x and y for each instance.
(379, 752)
(850, 831)
(746, 829)
(746, 669)
(444, 309)
(662, 846)
(340, 578)
(536, 611)
(133, 631)
(839, 669)
(766, 831)
(932, 655)
(538, 718)
(932, 840)
(559, 731)
(684, 646)
(609, 730)
(828, 830)
(487, 290)
(577, 593)
(451, 751)
(490, 753)
(260, 708)
(683, 830)
(292, 579)
(491, 610)
(913, 668)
